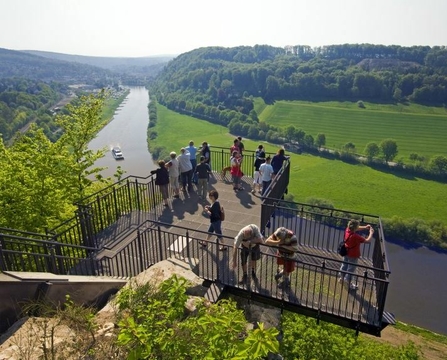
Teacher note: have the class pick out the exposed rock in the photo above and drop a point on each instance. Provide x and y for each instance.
(25, 339)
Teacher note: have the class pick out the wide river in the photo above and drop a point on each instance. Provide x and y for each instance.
(416, 293)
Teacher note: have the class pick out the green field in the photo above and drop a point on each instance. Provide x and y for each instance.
(349, 187)
(416, 129)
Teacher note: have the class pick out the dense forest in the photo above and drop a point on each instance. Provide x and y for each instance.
(217, 83)
(25, 101)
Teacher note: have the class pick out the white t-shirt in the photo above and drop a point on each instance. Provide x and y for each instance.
(266, 171)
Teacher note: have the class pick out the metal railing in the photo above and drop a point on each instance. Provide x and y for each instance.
(314, 284)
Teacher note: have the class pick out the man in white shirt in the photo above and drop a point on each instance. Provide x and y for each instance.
(185, 166)
(249, 238)
(266, 171)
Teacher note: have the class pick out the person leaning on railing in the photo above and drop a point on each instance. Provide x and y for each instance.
(287, 244)
(352, 244)
(249, 238)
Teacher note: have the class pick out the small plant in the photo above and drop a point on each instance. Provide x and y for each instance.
(360, 104)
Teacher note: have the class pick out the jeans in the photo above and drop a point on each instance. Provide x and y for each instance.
(194, 175)
(349, 265)
(186, 179)
(216, 227)
(265, 185)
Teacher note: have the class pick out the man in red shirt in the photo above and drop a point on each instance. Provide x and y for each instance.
(352, 243)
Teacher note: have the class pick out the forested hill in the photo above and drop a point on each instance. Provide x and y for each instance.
(141, 67)
(20, 64)
(216, 82)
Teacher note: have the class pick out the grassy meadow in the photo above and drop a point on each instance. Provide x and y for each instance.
(415, 128)
(349, 187)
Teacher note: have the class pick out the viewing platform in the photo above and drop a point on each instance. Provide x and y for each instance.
(125, 229)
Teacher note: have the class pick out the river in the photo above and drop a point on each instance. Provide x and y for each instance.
(128, 130)
(416, 294)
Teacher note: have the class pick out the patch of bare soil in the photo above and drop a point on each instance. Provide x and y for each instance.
(431, 350)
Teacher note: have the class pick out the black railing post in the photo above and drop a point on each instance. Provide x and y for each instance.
(85, 222)
(2, 256)
(188, 251)
(137, 194)
(52, 264)
(160, 245)
(59, 258)
(115, 203)
(140, 251)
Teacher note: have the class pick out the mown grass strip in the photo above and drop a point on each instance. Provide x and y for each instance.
(416, 129)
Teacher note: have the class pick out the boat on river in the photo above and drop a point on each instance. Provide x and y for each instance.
(117, 153)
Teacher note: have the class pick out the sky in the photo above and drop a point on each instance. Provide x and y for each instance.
(137, 28)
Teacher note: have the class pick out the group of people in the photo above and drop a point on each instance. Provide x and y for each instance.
(183, 170)
(266, 167)
(249, 239)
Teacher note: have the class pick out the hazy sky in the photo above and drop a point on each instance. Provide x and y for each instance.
(132, 28)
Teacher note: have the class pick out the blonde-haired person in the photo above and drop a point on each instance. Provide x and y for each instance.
(173, 168)
(352, 243)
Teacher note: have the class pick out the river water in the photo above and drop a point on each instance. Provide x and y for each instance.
(417, 293)
(128, 130)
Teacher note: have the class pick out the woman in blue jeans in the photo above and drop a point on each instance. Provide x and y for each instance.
(352, 243)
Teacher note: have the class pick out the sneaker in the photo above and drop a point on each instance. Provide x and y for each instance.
(244, 279)
(353, 286)
(253, 191)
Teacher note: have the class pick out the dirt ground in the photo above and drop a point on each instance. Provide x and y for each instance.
(431, 350)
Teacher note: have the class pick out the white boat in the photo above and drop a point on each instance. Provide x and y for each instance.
(117, 153)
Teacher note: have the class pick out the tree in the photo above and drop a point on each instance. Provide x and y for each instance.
(320, 140)
(80, 126)
(45, 179)
(372, 150)
(308, 141)
(389, 149)
(349, 147)
(438, 164)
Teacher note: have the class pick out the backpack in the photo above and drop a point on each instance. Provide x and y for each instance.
(342, 249)
(222, 214)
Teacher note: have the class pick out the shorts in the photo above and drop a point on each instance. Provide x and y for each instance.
(164, 189)
(289, 264)
(255, 253)
(173, 180)
(257, 178)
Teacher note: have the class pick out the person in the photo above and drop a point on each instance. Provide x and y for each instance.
(185, 167)
(173, 169)
(266, 171)
(278, 160)
(206, 153)
(162, 180)
(352, 243)
(214, 211)
(202, 172)
(259, 160)
(249, 239)
(192, 157)
(241, 146)
(236, 172)
(287, 244)
(233, 148)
